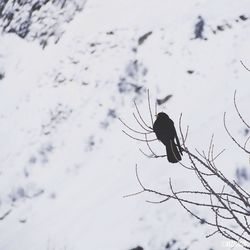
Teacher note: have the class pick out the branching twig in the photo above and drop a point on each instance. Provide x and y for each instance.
(235, 141)
(230, 207)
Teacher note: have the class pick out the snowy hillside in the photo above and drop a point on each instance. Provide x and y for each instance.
(65, 164)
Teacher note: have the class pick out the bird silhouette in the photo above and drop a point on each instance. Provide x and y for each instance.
(165, 132)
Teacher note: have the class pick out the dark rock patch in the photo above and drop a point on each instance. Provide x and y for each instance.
(142, 39)
(163, 100)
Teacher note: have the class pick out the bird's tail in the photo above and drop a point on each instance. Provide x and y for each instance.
(173, 153)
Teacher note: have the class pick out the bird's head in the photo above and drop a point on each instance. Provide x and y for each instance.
(162, 115)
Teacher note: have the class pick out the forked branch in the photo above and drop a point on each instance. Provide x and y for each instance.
(230, 205)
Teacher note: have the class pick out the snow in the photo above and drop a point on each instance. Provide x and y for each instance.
(65, 163)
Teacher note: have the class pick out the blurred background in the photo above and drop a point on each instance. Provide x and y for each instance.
(68, 70)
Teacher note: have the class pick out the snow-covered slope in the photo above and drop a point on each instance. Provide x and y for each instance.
(66, 165)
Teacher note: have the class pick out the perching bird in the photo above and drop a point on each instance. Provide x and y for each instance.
(165, 132)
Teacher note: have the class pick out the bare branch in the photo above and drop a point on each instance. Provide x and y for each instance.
(238, 112)
(186, 134)
(212, 234)
(224, 121)
(222, 151)
(133, 130)
(150, 111)
(245, 144)
(244, 66)
(142, 126)
(137, 109)
(137, 139)
(229, 206)
(133, 194)
(156, 108)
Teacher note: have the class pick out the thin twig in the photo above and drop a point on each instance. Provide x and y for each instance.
(150, 111)
(137, 109)
(135, 131)
(245, 144)
(133, 194)
(137, 139)
(224, 121)
(238, 112)
(142, 126)
(155, 108)
(222, 151)
(244, 66)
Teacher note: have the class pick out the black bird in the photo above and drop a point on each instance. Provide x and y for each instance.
(165, 132)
